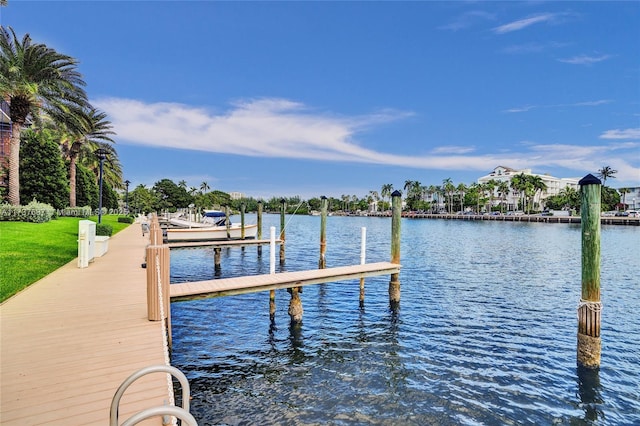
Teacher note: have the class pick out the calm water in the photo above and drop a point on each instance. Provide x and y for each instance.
(485, 333)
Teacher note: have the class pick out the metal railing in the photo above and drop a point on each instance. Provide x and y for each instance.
(166, 410)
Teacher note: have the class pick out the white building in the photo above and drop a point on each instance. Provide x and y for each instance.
(236, 195)
(502, 174)
(630, 197)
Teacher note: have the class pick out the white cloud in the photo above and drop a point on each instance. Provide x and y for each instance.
(467, 20)
(621, 134)
(575, 104)
(285, 129)
(524, 23)
(584, 59)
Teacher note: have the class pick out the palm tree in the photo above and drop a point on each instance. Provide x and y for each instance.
(182, 184)
(462, 189)
(386, 191)
(624, 192)
(204, 187)
(34, 78)
(449, 189)
(86, 129)
(503, 191)
(606, 172)
(538, 187)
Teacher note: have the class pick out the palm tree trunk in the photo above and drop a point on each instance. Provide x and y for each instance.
(14, 165)
(72, 181)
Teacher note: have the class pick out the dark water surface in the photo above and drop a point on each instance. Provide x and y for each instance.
(485, 333)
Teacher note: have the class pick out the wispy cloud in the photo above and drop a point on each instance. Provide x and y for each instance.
(621, 134)
(286, 129)
(524, 23)
(571, 105)
(467, 20)
(585, 60)
(533, 47)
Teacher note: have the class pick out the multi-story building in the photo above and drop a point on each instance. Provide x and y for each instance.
(236, 195)
(506, 174)
(630, 198)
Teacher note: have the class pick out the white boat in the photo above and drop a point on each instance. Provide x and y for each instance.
(234, 232)
(212, 227)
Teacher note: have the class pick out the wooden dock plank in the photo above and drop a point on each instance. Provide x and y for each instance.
(256, 283)
(220, 243)
(69, 340)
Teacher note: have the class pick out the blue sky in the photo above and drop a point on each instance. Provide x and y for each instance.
(331, 98)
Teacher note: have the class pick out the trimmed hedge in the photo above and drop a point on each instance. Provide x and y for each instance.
(33, 212)
(125, 219)
(104, 229)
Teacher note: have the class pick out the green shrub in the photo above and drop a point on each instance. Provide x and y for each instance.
(104, 229)
(125, 219)
(33, 212)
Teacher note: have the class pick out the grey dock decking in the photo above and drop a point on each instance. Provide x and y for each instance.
(68, 341)
(250, 284)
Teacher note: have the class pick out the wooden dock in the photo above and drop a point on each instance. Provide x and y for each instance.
(220, 243)
(256, 283)
(69, 340)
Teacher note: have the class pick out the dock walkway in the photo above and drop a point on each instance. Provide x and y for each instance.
(68, 341)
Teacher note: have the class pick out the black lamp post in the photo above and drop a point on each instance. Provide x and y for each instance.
(126, 195)
(102, 155)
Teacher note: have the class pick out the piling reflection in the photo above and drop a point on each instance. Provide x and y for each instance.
(589, 391)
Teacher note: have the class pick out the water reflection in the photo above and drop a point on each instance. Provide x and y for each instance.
(589, 391)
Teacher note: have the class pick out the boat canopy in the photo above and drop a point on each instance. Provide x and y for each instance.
(214, 213)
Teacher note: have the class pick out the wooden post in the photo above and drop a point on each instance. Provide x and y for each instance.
(394, 283)
(295, 306)
(322, 263)
(157, 270)
(590, 307)
(363, 254)
(216, 259)
(283, 210)
(259, 222)
(227, 222)
(272, 270)
(242, 207)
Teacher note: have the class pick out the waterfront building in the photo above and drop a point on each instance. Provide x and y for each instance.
(506, 174)
(236, 195)
(630, 197)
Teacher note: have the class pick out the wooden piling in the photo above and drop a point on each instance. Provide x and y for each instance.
(396, 216)
(590, 307)
(283, 210)
(259, 222)
(227, 222)
(295, 306)
(242, 208)
(322, 263)
(216, 258)
(363, 251)
(157, 270)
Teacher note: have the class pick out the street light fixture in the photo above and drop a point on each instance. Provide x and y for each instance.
(102, 155)
(126, 195)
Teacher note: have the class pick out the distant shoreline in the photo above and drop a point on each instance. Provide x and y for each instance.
(616, 220)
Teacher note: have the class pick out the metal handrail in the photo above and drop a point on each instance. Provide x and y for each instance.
(185, 416)
(115, 402)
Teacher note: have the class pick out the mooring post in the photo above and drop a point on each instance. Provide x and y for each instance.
(363, 255)
(590, 307)
(259, 222)
(227, 222)
(322, 263)
(283, 210)
(157, 273)
(295, 306)
(272, 270)
(242, 207)
(396, 216)
(217, 251)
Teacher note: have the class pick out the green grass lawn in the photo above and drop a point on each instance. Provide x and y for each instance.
(30, 251)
